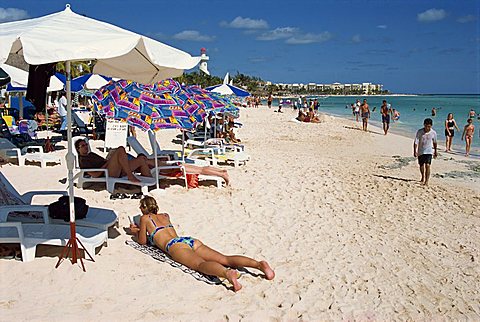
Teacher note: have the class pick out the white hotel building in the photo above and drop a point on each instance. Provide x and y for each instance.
(366, 88)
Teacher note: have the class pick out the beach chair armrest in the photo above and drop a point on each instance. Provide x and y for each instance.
(16, 151)
(17, 225)
(203, 151)
(84, 172)
(38, 148)
(5, 210)
(27, 197)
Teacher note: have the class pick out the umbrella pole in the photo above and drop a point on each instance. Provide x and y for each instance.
(205, 134)
(46, 114)
(215, 128)
(156, 159)
(72, 242)
(183, 146)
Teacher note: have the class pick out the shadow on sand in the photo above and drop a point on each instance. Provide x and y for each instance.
(359, 129)
(394, 178)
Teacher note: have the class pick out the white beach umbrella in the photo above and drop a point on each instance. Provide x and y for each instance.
(19, 79)
(67, 36)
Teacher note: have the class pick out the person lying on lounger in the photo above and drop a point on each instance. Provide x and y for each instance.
(157, 229)
(119, 164)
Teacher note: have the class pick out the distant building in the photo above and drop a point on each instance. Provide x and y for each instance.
(339, 88)
(203, 61)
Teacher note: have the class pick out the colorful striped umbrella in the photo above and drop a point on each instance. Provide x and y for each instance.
(161, 105)
(213, 102)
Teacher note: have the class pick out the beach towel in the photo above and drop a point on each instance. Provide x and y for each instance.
(159, 255)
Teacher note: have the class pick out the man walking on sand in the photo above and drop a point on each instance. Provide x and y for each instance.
(424, 146)
(365, 109)
(384, 110)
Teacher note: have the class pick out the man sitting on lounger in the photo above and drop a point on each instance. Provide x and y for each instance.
(120, 164)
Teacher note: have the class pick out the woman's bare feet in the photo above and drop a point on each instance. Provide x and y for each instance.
(232, 277)
(226, 178)
(267, 270)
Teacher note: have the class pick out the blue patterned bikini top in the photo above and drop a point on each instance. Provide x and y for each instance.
(150, 236)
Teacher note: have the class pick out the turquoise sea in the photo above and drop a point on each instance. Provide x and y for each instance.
(413, 110)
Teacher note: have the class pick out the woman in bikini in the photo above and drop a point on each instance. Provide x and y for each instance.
(468, 132)
(450, 126)
(158, 230)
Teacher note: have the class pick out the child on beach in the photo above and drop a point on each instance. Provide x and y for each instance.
(424, 146)
(157, 229)
(468, 132)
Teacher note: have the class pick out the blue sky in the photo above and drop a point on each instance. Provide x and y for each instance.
(409, 46)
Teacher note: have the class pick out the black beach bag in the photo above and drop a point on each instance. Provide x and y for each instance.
(60, 209)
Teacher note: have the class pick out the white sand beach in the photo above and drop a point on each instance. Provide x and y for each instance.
(338, 213)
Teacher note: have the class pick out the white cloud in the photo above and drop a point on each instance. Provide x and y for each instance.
(466, 19)
(309, 38)
(382, 26)
(431, 15)
(245, 23)
(356, 39)
(278, 33)
(12, 14)
(192, 35)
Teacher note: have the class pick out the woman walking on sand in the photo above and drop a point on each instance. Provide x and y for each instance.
(450, 126)
(157, 229)
(468, 132)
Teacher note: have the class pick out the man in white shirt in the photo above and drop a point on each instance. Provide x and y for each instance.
(62, 110)
(424, 146)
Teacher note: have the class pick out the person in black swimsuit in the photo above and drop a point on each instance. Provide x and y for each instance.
(450, 126)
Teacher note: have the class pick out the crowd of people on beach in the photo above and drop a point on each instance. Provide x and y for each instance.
(425, 143)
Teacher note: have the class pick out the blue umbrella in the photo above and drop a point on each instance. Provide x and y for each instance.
(89, 81)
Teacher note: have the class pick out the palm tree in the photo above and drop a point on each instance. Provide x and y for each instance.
(77, 68)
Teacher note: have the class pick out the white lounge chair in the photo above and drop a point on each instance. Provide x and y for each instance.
(216, 155)
(139, 149)
(175, 164)
(83, 177)
(173, 153)
(31, 235)
(9, 151)
(100, 218)
(215, 142)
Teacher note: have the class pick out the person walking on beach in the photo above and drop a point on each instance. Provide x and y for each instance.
(357, 110)
(468, 132)
(365, 109)
(384, 110)
(270, 100)
(424, 147)
(62, 110)
(316, 104)
(156, 229)
(450, 126)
